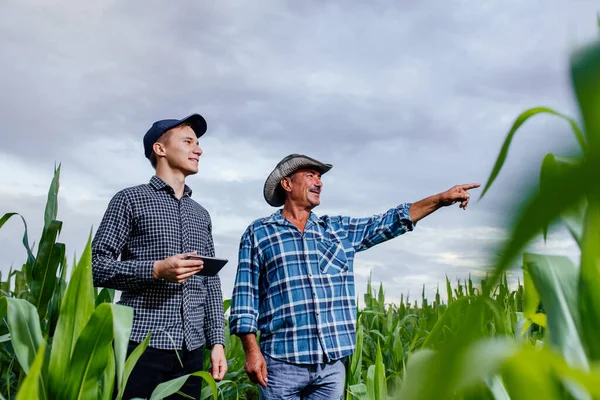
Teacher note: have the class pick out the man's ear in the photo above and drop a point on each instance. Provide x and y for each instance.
(286, 184)
(159, 148)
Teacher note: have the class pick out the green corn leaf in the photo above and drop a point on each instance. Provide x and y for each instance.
(540, 211)
(532, 298)
(106, 295)
(168, 388)
(24, 326)
(379, 381)
(553, 167)
(75, 311)
(108, 378)
(521, 119)
(52, 202)
(589, 281)
(122, 325)
(585, 75)
(555, 279)
(49, 257)
(32, 386)
(6, 217)
(90, 354)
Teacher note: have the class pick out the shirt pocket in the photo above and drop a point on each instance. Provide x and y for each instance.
(332, 257)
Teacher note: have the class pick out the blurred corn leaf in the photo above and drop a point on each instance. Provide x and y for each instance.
(521, 119)
(555, 279)
(552, 168)
(589, 281)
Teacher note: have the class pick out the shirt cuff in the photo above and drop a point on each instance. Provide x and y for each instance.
(405, 216)
(143, 271)
(215, 336)
(240, 324)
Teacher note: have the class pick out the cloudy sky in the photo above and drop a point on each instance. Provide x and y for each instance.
(404, 98)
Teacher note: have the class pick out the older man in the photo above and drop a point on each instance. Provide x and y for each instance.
(295, 281)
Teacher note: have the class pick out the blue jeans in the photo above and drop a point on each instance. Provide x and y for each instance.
(307, 382)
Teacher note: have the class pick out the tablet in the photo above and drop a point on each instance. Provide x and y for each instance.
(212, 265)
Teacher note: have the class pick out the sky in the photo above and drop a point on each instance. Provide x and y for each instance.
(405, 99)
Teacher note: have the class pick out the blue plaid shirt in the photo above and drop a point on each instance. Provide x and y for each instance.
(298, 288)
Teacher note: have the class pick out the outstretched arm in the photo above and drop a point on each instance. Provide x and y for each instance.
(428, 205)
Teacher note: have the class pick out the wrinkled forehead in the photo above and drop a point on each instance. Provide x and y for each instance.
(307, 170)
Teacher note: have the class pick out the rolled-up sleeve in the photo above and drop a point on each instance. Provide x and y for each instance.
(109, 241)
(244, 302)
(364, 233)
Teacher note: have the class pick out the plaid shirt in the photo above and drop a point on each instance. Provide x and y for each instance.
(144, 224)
(298, 288)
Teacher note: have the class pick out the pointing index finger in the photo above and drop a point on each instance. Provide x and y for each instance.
(469, 186)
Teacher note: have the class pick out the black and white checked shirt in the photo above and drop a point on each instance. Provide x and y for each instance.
(144, 224)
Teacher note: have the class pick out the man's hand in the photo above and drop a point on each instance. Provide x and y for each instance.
(459, 193)
(256, 368)
(456, 194)
(176, 268)
(218, 362)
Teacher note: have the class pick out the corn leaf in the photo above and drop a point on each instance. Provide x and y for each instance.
(171, 387)
(49, 256)
(521, 119)
(52, 202)
(589, 281)
(540, 211)
(122, 325)
(25, 240)
(585, 75)
(75, 311)
(555, 279)
(32, 386)
(24, 326)
(90, 354)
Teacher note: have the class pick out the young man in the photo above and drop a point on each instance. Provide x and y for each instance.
(152, 228)
(295, 281)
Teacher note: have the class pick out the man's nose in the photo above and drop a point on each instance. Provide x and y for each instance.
(198, 150)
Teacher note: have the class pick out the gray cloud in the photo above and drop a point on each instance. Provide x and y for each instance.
(404, 99)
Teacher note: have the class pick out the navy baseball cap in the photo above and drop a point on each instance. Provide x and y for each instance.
(196, 121)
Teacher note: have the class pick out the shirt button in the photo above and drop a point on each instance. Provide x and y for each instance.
(310, 275)
(315, 294)
(317, 313)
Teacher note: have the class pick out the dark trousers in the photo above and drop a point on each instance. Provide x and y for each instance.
(156, 366)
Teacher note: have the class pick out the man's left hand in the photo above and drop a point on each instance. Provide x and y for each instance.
(218, 362)
(458, 193)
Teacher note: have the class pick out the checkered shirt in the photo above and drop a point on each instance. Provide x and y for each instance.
(144, 224)
(298, 288)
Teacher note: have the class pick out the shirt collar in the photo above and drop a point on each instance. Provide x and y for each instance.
(277, 218)
(159, 184)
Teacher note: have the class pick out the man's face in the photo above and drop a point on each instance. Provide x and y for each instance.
(181, 150)
(304, 188)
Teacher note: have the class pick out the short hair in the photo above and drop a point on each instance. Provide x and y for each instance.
(164, 138)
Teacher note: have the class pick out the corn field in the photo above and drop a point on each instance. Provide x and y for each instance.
(61, 338)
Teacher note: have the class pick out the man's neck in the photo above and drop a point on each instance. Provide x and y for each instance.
(173, 178)
(296, 214)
